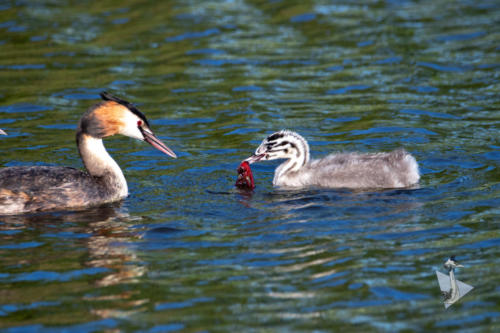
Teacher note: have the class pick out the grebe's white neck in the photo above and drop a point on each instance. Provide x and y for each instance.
(100, 164)
(290, 165)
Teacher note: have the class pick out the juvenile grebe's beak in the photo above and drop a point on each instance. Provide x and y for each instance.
(254, 158)
(150, 138)
(2, 132)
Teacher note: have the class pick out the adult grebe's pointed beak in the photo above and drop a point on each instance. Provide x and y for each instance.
(254, 158)
(2, 132)
(150, 138)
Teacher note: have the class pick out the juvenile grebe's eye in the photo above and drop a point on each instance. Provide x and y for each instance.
(139, 123)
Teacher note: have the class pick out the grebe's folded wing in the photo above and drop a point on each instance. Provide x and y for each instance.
(35, 188)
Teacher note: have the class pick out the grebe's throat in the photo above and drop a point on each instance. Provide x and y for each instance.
(100, 164)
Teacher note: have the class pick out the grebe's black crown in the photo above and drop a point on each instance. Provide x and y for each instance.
(275, 136)
(108, 97)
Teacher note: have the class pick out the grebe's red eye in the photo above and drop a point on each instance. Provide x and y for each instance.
(139, 122)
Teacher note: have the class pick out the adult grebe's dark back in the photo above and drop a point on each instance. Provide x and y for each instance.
(40, 188)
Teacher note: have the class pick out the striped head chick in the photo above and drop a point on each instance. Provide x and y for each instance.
(286, 145)
(338, 170)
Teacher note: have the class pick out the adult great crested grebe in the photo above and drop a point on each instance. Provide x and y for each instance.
(344, 170)
(40, 188)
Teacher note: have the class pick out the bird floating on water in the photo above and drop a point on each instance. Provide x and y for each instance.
(451, 288)
(39, 188)
(394, 169)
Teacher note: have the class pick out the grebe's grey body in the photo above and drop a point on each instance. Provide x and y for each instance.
(344, 170)
(40, 188)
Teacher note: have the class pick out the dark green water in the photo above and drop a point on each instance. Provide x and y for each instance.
(186, 250)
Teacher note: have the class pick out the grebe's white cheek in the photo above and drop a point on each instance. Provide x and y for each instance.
(130, 123)
(132, 130)
(130, 126)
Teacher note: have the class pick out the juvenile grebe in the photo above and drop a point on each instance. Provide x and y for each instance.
(348, 170)
(39, 188)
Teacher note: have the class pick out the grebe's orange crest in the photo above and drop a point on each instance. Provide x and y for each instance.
(112, 117)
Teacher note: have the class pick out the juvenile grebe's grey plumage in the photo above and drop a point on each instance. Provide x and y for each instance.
(348, 170)
(40, 188)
